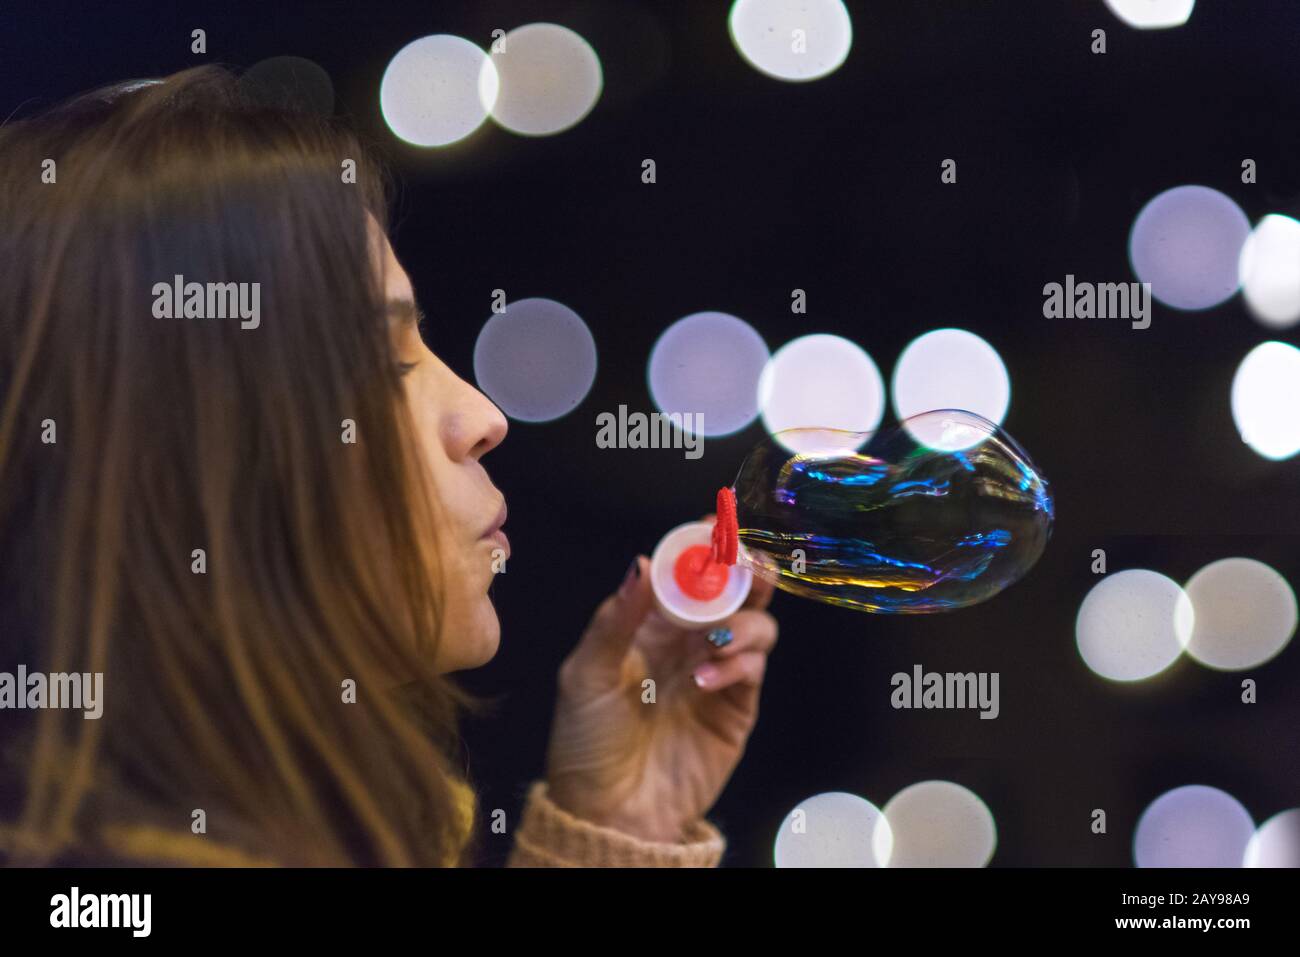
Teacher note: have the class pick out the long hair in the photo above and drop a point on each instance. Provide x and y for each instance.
(228, 522)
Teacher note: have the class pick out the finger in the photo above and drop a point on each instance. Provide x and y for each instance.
(760, 594)
(750, 631)
(604, 645)
(746, 669)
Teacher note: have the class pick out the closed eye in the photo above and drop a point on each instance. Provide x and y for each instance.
(405, 312)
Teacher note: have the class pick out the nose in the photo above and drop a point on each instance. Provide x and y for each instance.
(478, 428)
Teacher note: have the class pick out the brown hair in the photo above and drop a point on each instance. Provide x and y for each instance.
(223, 688)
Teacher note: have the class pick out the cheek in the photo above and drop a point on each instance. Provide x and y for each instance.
(472, 632)
(420, 405)
(471, 629)
(459, 498)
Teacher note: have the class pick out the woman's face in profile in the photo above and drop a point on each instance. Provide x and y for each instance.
(456, 425)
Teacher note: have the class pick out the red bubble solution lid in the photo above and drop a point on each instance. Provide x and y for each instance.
(726, 530)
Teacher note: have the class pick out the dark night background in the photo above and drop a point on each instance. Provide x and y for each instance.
(833, 187)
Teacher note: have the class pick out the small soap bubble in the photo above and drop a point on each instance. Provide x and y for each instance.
(882, 522)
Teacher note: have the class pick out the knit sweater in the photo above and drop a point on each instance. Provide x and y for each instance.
(550, 837)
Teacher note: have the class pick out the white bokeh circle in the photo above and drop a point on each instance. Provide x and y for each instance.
(1133, 624)
(437, 90)
(1245, 614)
(939, 824)
(948, 369)
(792, 41)
(549, 79)
(820, 381)
(834, 829)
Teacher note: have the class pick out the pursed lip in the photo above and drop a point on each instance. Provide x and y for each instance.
(494, 532)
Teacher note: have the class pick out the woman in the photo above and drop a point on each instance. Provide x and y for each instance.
(257, 506)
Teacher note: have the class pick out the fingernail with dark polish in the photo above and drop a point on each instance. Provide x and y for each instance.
(719, 637)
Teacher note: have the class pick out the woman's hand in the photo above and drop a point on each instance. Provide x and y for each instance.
(650, 759)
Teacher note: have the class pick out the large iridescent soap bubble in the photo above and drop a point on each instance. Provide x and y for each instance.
(940, 512)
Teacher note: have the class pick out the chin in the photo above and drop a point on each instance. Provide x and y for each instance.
(476, 644)
(488, 639)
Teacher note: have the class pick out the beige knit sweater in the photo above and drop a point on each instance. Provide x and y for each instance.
(550, 837)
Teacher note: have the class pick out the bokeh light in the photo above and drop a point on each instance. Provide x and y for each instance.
(549, 79)
(939, 824)
(709, 363)
(1270, 271)
(437, 90)
(1245, 614)
(1133, 624)
(1193, 826)
(536, 360)
(1277, 842)
(1265, 400)
(289, 83)
(949, 369)
(1152, 14)
(789, 41)
(1187, 243)
(821, 382)
(834, 829)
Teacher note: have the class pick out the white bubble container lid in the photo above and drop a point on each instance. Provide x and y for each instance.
(679, 607)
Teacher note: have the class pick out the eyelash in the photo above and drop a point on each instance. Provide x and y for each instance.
(405, 368)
